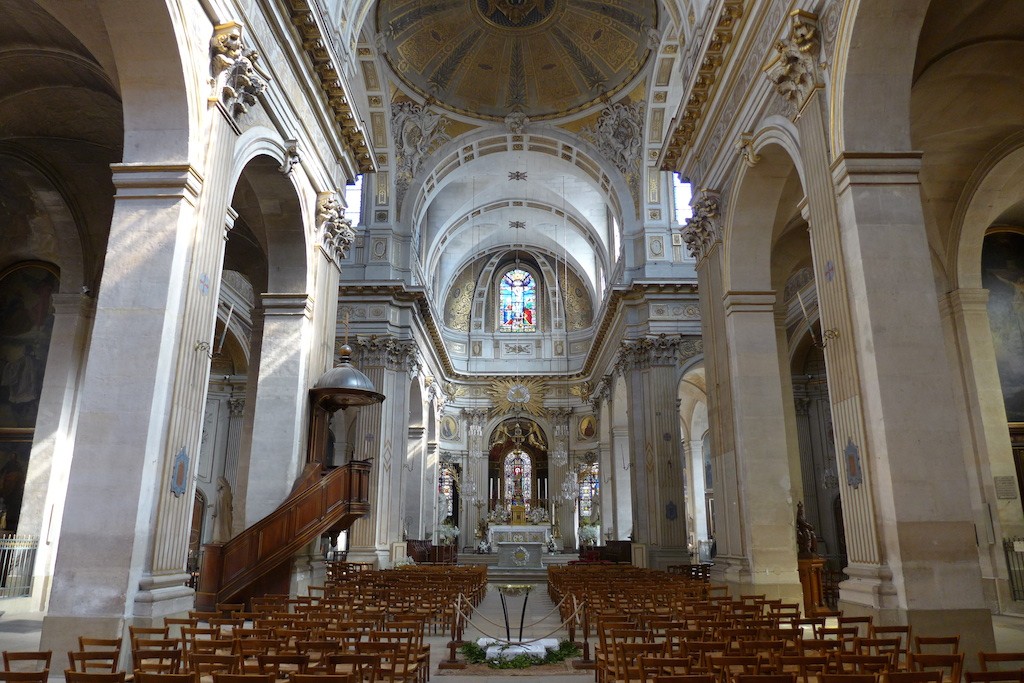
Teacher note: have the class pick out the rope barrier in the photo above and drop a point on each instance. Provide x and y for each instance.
(494, 623)
(468, 620)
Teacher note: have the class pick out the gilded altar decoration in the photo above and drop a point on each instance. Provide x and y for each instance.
(518, 395)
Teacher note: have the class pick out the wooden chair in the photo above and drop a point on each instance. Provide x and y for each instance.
(1003, 661)
(39, 676)
(161, 661)
(248, 651)
(848, 663)
(901, 632)
(937, 644)
(137, 633)
(389, 659)
(325, 678)
(243, 678)
(664, 666)
(803, 666)
(684, 678)
(93, 676)
(629, 657)
(1015, 676)
(27, 661)
(317, 651)
(862, 624)
(282, 665)
(728, 667)
(848, 678)
(953, 663)
(913, 677)
(94, 662)
(766, 678)
(205, 665)
(153, 677)
(361, 667)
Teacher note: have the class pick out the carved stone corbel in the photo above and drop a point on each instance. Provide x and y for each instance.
(335, 230)
(235, 69)
(703, 229)
(794, 71)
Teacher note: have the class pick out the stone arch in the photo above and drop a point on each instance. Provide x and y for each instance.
(163, 94)
(752, 217)
(268, 203)
(872, 75)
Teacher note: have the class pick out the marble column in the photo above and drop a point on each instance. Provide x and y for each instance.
(987, 444)
(386, 361)
(49, 467)
(414, 486)
(762, 477)
(698, 491)
(622, 483)
(279, 430)
(124, 439)
(651, 367)
(926, 526)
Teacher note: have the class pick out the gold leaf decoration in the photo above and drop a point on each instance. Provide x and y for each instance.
(518, 395)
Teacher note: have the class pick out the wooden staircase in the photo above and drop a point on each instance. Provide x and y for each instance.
(323, 501)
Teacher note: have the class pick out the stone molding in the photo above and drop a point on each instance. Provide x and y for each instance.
(336, 233)
(704, 228)
(685, 124)
(274, 304)
(319, 47)
(794, 71)
(386, 352)
(238, 82)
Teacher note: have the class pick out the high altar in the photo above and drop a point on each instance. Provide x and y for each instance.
(518, 533)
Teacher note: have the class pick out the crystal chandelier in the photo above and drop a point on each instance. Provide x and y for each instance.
(559, 454)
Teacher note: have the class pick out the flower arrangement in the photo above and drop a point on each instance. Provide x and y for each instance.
(404, 562)
(589, 533)
(537, 515)
(499, 515)
(448, 533)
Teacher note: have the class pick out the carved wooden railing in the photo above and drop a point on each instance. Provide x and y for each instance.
(323, 501)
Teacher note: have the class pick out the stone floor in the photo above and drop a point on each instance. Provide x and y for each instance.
(21, 632)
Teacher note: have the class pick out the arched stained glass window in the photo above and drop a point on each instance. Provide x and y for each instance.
(518, 301)
(518, 476)
(446, 489)
(590, 486)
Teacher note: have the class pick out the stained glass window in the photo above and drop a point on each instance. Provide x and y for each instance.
(518, 476)
(590, 485)
(446, 489)
(518, 301)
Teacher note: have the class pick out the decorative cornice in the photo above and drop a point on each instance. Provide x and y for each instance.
(682, 128)
(399, 292)
(317, 44)
(703, 229)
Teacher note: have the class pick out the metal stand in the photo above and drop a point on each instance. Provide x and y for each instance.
(513, 590)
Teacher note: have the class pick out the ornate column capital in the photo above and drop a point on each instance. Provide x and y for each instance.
(387, 352)
(238, 81)
(704, 228)
(794, 71)
(663, 350)
(335, 231)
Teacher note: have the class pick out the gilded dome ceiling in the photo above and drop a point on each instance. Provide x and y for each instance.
(544, 58)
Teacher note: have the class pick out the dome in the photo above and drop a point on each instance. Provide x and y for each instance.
(344, 386)
(543, 58)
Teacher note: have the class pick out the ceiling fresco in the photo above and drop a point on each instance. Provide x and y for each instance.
(539, 58)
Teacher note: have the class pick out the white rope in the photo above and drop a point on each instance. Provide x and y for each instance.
(511, 642)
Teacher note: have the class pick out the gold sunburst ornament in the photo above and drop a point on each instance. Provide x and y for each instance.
(518, 395)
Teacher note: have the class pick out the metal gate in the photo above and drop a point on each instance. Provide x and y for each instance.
(1014, 549)
(17, 560)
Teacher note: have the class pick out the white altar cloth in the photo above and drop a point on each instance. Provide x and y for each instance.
(518, 533)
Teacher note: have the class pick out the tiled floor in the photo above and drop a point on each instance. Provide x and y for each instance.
(21, 632)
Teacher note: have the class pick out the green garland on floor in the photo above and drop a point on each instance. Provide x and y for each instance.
(475, 654)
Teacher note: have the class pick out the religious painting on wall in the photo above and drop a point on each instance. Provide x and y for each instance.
(1002, 274)
(14, 455)
(26, 322)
